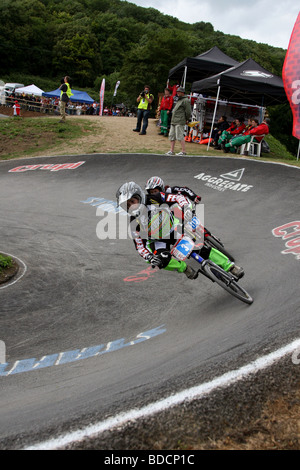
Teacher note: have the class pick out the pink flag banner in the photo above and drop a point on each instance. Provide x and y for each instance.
(291, 76)
(102, 90)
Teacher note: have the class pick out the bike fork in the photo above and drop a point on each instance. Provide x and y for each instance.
(202, 263)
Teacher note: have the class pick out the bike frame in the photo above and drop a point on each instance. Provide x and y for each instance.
(197, 257)
(183, 250)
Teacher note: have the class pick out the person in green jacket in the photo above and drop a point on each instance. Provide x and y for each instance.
(180, 117)
(65, 95)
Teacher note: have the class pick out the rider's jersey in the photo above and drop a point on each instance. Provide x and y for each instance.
(155, 226)
(182, 190)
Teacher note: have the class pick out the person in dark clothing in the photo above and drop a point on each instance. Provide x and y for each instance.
(221, 126)
(236, 128)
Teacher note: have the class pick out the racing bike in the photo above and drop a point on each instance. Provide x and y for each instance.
(185, 248)
(209, 238)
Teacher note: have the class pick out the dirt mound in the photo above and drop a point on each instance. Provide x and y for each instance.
(7, 273)
(8, 111)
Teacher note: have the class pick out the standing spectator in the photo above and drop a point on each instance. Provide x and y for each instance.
(78, 109)
(65, 95)
(71, 109)
(95, 107)
(165, 108)
(180, 117)
(144, 99)
(16, 108)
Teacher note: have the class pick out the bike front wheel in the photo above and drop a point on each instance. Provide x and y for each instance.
(226, 280)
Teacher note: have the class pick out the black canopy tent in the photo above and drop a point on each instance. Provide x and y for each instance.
(202, 66)
(248, 82)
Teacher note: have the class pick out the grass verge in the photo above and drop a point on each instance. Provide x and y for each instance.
(31, 136)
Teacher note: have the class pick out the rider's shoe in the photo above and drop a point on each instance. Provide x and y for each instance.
(190, 273)
(237, 271)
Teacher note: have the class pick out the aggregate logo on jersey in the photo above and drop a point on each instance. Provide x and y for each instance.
(227, 181)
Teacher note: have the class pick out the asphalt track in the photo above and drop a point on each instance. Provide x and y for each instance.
(90, 331)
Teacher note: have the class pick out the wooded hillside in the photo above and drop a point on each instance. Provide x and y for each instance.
(43, 40)
(92, 39)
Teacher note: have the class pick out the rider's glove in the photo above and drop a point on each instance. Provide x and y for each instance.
(156, 261)
(160, 261)
(197, 199)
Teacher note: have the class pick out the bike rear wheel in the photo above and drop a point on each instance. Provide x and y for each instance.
(214, 243)
(227, 281)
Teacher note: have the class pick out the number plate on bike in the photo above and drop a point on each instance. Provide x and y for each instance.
(183, 248)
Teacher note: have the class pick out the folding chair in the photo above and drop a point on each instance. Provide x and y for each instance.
(251, 146)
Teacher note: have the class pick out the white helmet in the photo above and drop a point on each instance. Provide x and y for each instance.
(126, 192)
(155, 182)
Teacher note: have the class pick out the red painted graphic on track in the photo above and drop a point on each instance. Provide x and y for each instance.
(47, 166)
(291, 233)
(141, 276)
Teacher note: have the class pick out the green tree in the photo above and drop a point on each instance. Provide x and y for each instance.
(112, 55)
(77, 57)
(25, 36)
(150, 61)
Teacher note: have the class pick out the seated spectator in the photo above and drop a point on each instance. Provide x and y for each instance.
(249, 125)
(257, 130)
(235, 129)
(221, 126)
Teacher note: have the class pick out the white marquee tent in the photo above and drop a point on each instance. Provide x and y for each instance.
(30, 90)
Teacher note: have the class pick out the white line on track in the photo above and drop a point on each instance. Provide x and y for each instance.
(19, 276)
(196, 392)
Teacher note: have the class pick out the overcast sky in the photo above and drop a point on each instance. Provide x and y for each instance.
(266, 21)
